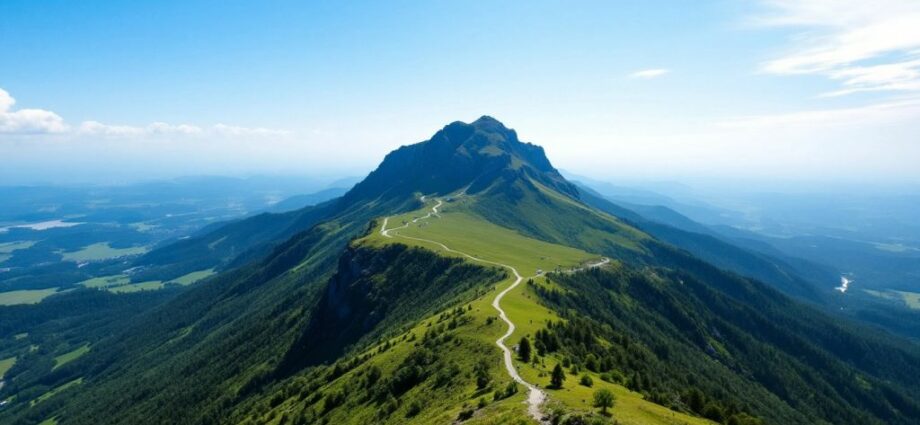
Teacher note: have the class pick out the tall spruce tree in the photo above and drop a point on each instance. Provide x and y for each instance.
(558, 377)
(524, 349)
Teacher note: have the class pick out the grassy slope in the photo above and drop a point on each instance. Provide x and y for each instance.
(910, 299)
(56, 390)
(9, 247)
(101, 251)
(193, 277)
(6, 364)
(460, 230)
(544, 214)
(70, 356)
(471, 342)
(106, 281)
(25, 296)
(122, 283)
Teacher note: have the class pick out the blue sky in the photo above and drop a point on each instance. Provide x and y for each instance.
(769, 90)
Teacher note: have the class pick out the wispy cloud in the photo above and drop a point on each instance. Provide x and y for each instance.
(649, 73)
(94, 128)
(869, 115)
(865, 45)
(40, 121)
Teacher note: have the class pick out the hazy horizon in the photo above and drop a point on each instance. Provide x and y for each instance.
(770, 90)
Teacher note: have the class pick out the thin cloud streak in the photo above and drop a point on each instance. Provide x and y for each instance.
(37, 122)
(647, 74)
(874, 114)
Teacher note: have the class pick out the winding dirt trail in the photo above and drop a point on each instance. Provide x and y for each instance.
(535, 396)
(386, 232)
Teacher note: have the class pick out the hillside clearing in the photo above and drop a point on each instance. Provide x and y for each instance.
(25, 296)
(70, 356)
(101, 251)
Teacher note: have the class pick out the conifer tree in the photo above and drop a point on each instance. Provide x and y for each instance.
(524, 349)
(558, 376)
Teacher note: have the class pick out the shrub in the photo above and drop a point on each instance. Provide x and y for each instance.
(465, 414)
(482, 374)
(604, 399)
(414, 409)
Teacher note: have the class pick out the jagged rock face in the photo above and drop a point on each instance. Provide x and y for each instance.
(475, 157)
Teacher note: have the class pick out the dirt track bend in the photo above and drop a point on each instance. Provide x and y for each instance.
(535, 396)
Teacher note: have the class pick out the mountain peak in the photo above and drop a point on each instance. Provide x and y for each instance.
(488, 122)
(462, 156)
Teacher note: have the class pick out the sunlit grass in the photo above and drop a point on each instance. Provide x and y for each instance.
(70, 356)
(152, 285)
(465, 232)
(9, 247)
(101, 251)
(56, 390)
(6, 364)
(106, 281)
(193, 277)
(25, 296)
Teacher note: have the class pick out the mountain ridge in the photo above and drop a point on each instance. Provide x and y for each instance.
(414, 333)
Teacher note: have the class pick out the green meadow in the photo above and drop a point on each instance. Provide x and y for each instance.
(152, 285)
(56, 390)
(70, 356)
(193, 277)
(121, 284)
(9, 247)
(910, 299)
(6, 364)
(25, 296)
(101, 251)
(106, 281)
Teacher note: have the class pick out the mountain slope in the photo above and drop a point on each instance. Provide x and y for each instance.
(382, 310)
(698, 240)
(689, 310)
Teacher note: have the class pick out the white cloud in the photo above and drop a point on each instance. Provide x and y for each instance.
(862, 116)
(6, 101)
(649, 73)
(39, 121)
(27, 121)
(95, 128)
(231, 130)
(865, 45)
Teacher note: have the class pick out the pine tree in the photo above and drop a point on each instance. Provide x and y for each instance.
(557, 377)
(524, 349)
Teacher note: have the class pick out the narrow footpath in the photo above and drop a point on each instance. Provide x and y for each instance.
(535, 396)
